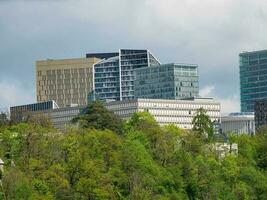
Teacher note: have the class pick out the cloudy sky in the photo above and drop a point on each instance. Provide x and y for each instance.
(210, 33)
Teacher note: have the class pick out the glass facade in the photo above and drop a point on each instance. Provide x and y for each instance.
(114, 76)
(168, 81)
(107, 79)
(253, 78)
(260, 113)
(18, 112)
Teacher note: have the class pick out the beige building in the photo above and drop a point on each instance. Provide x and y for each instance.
(66, 81)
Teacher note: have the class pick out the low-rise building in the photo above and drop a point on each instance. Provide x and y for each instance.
(177, 112)
(19, 113)
(224, 149)
(238, 123)
(59, 117)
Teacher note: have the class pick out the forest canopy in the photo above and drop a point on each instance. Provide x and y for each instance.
(134, 159)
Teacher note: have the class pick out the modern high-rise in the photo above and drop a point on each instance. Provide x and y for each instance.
(66, 81)
(114, 74)
(253, 78)
(167, 81)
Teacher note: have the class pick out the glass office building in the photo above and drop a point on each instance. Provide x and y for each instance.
(18, 113)
(253, 78)
(260, 113)
(168, 81)
(107, 79)
(114, 74)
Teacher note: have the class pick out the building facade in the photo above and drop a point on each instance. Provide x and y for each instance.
(59, 117)
(114, 74)
(167, 81)
(260, 113)
(66, 81)
(20, 113)
(177, 112)
(238, 123)
(253, 78)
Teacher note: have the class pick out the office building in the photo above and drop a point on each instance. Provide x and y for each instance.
(167, 81)
(260, 113)
(20, 113)
(66, 81)
(59, 117)
(114, 74)
(253, 78)
(238, 123)
(177, 112)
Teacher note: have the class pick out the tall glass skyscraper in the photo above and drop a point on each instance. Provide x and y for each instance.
(253, 78)
(168, 81)
(114, 74)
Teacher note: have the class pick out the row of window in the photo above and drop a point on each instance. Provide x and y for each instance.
(180, 105)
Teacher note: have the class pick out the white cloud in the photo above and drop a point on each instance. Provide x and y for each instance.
(13, 94)
(209, 33)
(229, 103)
(206, 91)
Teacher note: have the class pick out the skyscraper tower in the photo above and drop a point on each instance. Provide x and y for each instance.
(253, 78)
(114, 74)
(66, 81)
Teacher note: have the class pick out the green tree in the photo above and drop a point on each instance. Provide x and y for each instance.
(202, 123)
(4, 121)
(98, 117)
(148, 161)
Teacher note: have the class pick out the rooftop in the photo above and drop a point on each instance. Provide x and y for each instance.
(251, 52)
(102, 55)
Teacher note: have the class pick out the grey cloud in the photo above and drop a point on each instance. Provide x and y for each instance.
(209, 33)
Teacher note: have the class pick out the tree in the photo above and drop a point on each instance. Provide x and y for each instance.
(148, 161)
(40, 120)
(202, 123)
(98, 117)
(3, 119)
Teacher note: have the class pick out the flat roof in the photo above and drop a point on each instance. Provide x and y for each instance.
(38, 103)
(251, 52)
(102, 55)
(172, 64)
(192, 100)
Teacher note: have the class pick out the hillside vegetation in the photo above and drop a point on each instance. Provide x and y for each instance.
(136, 160)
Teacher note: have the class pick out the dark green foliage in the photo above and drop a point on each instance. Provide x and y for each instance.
(145, 162)
(202, 123)
(98, 117)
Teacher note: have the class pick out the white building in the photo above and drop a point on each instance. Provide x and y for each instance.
(238, 123)
(224, 149)
(1, 165)
(177, 112)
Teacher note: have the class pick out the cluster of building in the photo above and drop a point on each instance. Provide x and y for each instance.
(131, 80)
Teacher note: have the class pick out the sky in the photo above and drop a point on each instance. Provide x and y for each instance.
(210, 33)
